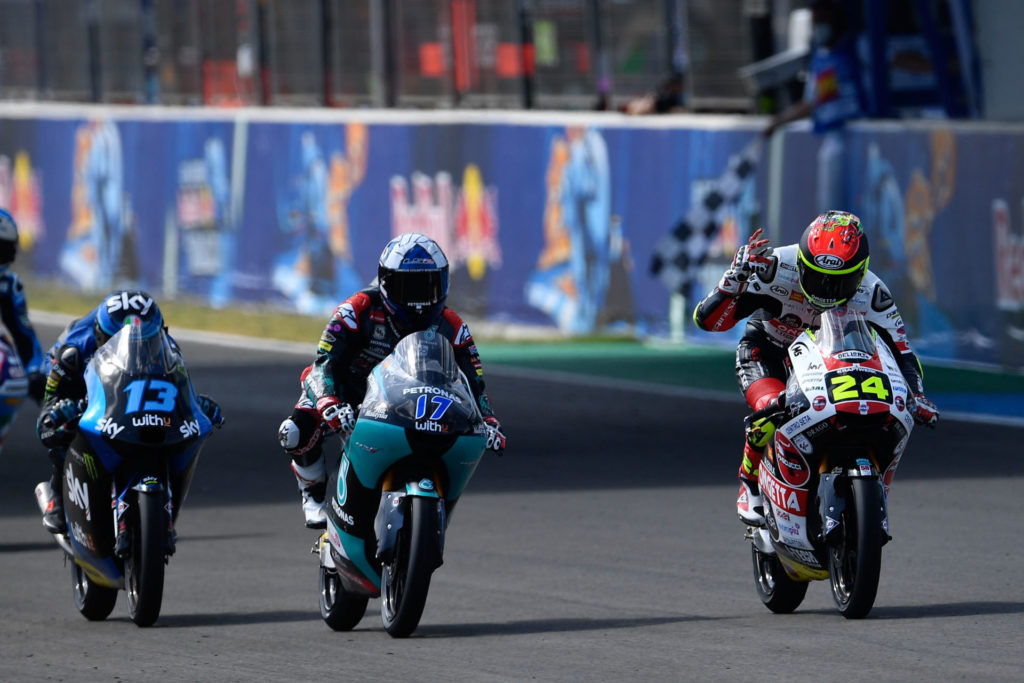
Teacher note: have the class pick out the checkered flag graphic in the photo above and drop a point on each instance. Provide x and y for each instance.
(679, 254)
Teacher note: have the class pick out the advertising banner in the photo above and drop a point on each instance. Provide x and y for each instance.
(544, 222)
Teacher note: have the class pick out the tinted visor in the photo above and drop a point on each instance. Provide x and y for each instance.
(7, 251)
(415, 288)
(829, 289)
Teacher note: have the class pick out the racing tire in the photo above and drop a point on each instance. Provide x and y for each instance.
(406, 579)
(855, 562)
(94, 601)
(340, 609)
(144, 566)
(777, 590)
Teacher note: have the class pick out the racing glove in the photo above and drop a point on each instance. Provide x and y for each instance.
(925, 412)
(56, 425)
(338, 416)
(751, 258)
(211, 409)
(495, 439)
(36, 386)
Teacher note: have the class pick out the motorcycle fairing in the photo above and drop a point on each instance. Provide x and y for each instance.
(418, 424)
(843, 359)
(349, 555)
(142, 421)
(140, 394)
(86, 489)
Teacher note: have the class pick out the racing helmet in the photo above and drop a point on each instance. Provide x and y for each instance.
(8, 239)
(413, 277)
(832, 258)
(120, 307)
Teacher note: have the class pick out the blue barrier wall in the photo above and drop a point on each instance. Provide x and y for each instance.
(546, 220)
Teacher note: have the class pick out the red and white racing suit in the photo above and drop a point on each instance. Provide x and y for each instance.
(777, 311)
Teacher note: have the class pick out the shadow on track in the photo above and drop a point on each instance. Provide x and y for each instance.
(948, 609)
(532, 626)
(35, 547)
(236, 618)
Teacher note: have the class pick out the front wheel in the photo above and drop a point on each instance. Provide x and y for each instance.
(405, 581)
(340, 609)
(144, 567)
(777, 591)
(855, 562)
(94, 601)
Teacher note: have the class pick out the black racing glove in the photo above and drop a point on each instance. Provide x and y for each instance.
(211, 409)
(57, 424)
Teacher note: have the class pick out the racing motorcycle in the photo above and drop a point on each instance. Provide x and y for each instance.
(418, 438)
(127, 472)
(13, 383)
(842, 426)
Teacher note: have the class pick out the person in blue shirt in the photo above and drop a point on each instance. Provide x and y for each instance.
(17, 328)
(65, 390)
(834, 95)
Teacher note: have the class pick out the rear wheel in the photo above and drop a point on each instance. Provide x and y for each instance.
(777, 591)
(94, 601)
(144, 567)
(340, 609)
(855, 562)
(406, 580)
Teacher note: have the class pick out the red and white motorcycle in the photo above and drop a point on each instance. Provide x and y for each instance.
(842, 426)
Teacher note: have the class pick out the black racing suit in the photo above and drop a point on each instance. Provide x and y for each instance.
(358, 336)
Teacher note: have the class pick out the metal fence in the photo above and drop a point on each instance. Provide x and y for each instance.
(398, 53)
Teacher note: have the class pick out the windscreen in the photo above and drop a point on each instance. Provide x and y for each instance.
(844, 329)
(139, 391)
(421, 382)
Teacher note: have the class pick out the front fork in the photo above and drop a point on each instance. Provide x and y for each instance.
(392, 515)
(122, 503)
(833, 488)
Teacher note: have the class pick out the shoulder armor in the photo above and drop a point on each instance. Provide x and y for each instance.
(70, 359)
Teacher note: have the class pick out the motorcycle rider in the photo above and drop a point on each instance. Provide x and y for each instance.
(65, 392)
(783, 290)
(14, 314)
(408, 295)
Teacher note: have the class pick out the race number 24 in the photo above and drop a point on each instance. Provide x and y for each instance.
(858, 386)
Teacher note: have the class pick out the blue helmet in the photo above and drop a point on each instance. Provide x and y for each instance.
(121, 307)
(8, 238)
(413, 278)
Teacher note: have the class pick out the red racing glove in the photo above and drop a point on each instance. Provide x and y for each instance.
(495, 439)
(338, 416)
(925, 412)
(751, 258)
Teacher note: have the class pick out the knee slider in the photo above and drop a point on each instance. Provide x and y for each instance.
(288, 434)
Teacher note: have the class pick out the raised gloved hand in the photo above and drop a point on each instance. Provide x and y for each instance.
(495, 439)
(925, 412)
(751, 258)
(56, 425)
(36, 386)
(211, 409)
(338, 416)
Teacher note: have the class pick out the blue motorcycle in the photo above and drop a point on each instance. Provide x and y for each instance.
(417, 441)
(127, 472)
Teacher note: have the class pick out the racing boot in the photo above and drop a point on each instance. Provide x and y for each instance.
(51, 502)
(312, 480)
(749, 506)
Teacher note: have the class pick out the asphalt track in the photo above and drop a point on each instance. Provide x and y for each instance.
(603, 547)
